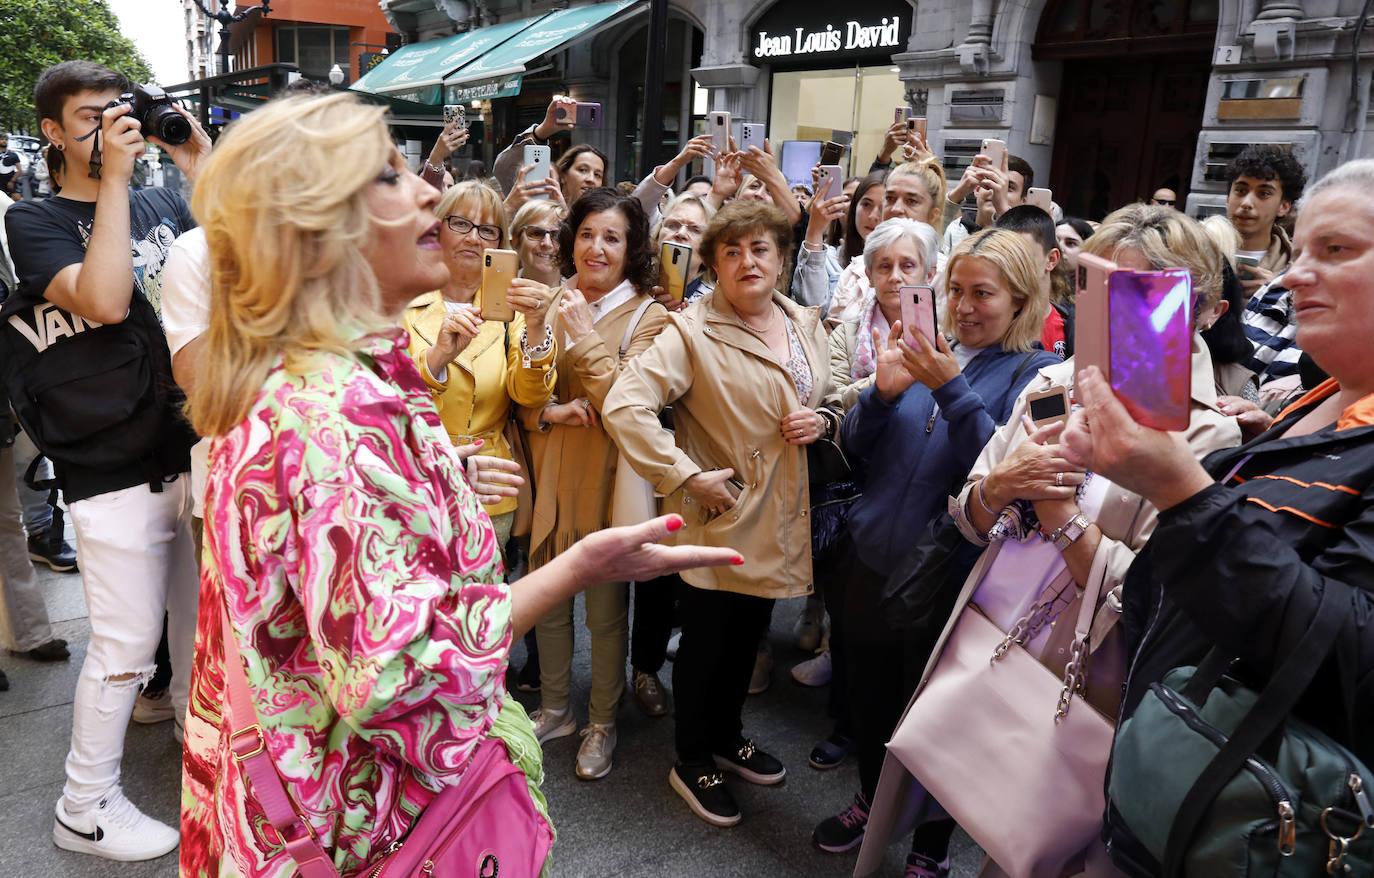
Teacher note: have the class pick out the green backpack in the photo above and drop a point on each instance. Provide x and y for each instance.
(1211, 778)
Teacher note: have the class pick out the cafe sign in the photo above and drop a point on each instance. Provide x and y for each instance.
(807, 32)
(484, 89)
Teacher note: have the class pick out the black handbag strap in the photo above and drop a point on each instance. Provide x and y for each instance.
(1286, 686)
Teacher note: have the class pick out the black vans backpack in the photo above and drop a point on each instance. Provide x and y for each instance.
(87, 394)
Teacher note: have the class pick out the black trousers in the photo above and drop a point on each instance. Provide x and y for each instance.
(881, 667)
(715, 658)
(652, 622)
(830, 570)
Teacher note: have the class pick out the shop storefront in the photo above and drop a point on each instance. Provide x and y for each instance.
(830, 74)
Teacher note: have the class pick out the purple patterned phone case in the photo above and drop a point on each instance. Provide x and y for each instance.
(1150, 331)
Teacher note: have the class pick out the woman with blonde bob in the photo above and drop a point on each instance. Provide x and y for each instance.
(917, 426)
(345, 548)
(476, 368)
(534, 234)
(1041, 517)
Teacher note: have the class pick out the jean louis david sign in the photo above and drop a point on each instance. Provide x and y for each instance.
(849, 36)
(815, 32)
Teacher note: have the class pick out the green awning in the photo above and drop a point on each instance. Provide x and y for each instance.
(539, 37)
(419, 66)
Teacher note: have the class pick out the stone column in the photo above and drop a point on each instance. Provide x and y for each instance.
(1276, 9)
(1275, 29)
(973, 52)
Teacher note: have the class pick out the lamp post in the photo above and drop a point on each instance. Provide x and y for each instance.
(227, 18)
(336, 76)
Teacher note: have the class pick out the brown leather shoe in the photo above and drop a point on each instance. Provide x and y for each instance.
(650, 695)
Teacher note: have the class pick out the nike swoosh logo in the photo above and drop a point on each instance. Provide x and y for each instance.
(98, 835)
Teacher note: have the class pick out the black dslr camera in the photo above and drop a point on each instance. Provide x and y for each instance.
(156, 114)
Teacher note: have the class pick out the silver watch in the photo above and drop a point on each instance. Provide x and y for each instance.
(1069, 532)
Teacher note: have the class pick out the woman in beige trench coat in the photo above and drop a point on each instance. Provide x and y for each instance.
(746, 371)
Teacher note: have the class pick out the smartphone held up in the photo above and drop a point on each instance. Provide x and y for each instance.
(499, 268)
(673, 260)
(1136, 327)
(918, 316)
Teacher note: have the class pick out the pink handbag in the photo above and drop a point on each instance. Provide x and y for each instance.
(486, 825)
(1013, 753)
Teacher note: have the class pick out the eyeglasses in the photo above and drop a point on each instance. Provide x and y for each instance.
(675, 226)
(461, 225)
(536, 233)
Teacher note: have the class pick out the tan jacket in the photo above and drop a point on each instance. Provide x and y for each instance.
(843, 339)
(729, 394)
(574, 467)
(474, 399)
(1126, 522)
(1279, 252)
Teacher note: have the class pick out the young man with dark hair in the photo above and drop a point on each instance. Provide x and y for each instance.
(1038, 230)
(83, 324)
(1263, 183)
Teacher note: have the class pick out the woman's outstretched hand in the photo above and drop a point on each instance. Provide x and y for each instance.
(621, 554)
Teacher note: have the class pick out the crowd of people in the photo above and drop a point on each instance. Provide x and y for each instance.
(320, 484)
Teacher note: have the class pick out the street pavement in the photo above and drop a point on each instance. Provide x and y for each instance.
(629, 823)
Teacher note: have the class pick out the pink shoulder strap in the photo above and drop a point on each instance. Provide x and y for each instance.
(250, 751)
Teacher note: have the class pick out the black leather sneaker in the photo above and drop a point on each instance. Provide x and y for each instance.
(752, 764)
(831, 752)
(58, 555)
(845, 830)
(705, 792)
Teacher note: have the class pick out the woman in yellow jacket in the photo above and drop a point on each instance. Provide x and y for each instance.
(476, 368)
(746, 370)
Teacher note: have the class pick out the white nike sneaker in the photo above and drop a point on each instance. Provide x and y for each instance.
(113, 829)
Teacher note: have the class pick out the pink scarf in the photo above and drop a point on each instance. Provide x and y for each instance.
(865, 355)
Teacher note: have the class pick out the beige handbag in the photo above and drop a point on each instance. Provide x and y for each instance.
(632, 497)
(1012, 752)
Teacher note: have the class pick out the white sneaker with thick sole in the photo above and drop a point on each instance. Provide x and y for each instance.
(550, 724)
(149, 710)
(113, 829)
(814, 672)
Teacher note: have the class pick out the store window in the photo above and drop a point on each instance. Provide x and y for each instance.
(854, 104)
(314, 49)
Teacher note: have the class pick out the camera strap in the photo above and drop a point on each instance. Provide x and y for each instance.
(96, 161)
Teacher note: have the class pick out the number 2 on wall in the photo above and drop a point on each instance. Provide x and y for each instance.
(1227, 55)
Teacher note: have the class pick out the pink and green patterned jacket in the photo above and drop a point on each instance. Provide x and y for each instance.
(364, 583)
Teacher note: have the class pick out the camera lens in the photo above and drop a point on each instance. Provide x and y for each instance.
(172, 127)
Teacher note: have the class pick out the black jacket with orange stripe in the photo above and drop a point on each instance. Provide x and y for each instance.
(1242, 565)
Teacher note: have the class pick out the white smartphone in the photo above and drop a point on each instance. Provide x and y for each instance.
(1048, 406)
(831, 183)
(455, 111)
(541, 157)
(752, 134)
(1041, 198)
(720, 131)
(994, 150)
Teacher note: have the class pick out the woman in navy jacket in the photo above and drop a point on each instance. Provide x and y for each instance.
(913, 434)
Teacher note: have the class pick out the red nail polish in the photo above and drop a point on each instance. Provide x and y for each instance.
(479, 442)
(739, 559)
(674, 524)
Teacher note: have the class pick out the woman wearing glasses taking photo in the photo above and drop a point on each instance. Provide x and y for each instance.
(534, 235)
(474, 368)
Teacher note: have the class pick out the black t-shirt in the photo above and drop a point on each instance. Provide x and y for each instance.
(48, 235)
(10, 167)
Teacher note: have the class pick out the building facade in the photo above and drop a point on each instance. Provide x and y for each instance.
(314, 35)
(200, 42)
(1107, 99)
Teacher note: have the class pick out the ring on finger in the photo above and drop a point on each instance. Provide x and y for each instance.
(1059, 479)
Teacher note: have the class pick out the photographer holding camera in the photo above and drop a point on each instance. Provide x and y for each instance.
(86, 364)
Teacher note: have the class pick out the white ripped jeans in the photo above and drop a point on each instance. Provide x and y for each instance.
(137, 560)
